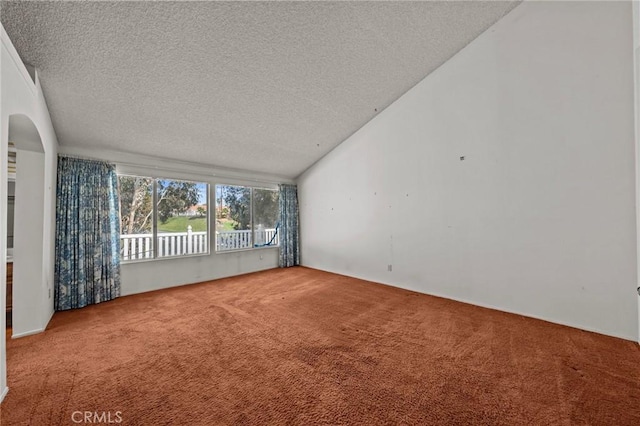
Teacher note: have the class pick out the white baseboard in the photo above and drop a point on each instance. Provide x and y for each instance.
(480, 304)
(36, 331)
(4, 393)
(27, 333)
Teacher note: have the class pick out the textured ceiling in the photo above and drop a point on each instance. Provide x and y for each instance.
(267, 87)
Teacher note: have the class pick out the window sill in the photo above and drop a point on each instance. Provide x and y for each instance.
(184, 256)
(246, 249)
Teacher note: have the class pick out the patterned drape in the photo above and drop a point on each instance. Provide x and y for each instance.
(289, 227)
(87, 233)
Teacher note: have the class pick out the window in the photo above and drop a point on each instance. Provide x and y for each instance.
(246, 217)
(162, 218)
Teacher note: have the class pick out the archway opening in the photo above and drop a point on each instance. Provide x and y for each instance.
(26, 285)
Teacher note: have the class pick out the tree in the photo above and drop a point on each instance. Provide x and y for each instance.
(265, 207)
(136, 201)
(238, 199)
(175, 197)
(202, 212)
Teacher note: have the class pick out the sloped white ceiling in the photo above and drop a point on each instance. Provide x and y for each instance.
(267, 87)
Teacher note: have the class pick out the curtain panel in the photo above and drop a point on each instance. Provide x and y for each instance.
(289, 226)
(87, 239)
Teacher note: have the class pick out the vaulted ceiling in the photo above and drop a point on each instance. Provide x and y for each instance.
(267, 87)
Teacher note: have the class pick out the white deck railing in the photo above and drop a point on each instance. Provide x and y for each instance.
(236, 240)
(139, 246)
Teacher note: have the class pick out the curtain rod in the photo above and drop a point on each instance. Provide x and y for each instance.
(80, 157)
(177, 170)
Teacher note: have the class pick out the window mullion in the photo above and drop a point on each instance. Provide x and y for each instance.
(253, 228)
(155, 219)
(209, 217)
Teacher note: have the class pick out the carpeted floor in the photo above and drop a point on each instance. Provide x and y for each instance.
(300, 346)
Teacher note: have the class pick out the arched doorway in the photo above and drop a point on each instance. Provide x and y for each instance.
(28, 283)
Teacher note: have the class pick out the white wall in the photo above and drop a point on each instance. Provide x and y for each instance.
(153, 275)
(3, 233)
(539, 219)
(19, 95)
(27, 250)
(141, 276)
(636, 49)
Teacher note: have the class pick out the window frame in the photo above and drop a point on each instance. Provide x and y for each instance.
(154, 225)
(251, 216)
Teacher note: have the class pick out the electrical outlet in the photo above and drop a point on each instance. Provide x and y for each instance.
(390, 268)
(49, 293)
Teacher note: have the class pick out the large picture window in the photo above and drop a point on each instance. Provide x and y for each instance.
(162, 218)
(246, 217)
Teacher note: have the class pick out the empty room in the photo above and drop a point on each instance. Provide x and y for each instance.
(319, 212)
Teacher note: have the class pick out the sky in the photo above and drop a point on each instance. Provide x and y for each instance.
(202, 193)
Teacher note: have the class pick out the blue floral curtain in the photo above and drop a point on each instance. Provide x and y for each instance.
(87, 233)
(289, 227)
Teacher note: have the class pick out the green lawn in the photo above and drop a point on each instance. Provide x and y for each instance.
(226, 225)
(180, 224)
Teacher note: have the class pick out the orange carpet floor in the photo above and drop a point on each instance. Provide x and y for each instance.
(301, 346)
